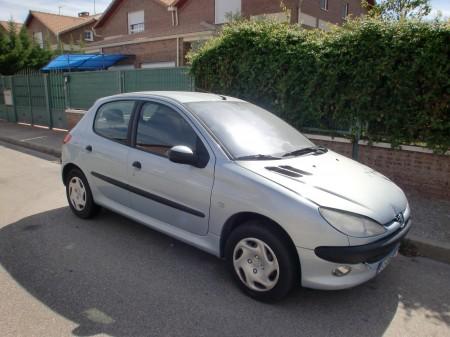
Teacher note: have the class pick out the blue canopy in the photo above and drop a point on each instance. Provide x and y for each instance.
(80, 62)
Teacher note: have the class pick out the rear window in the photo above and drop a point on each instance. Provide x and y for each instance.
(112, 120)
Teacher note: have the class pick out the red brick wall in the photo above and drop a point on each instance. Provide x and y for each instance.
(310, 7)
(333, 14)
(37, 26)
(258, 7)
(157, 18)
(78, 33)
(148, 52)
(428, 173)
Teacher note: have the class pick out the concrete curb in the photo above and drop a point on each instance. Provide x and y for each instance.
(32, 146)
(432, 249)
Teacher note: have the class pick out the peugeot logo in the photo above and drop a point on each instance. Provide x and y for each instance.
(400, 219)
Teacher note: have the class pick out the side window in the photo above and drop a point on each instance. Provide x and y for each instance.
(160, 128)
(112, 119)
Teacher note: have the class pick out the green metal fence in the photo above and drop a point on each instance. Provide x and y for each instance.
(6, 111)
(85, 88)
(56, 100)
(158, 79)
(41, 99)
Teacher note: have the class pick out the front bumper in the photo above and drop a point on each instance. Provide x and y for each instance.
(317, 265)
(368, 253)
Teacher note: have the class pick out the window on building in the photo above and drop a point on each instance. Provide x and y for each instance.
(38, 38)
(344, 10)
(136, 22)
(324, 4)
(224, 9)
(88, 35)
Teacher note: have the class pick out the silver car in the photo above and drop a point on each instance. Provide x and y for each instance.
(236, 181)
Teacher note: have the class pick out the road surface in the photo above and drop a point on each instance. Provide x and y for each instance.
(62, 276)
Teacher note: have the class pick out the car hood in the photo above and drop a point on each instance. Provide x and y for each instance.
(332, 180)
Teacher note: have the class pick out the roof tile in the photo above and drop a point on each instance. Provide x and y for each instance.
(58, 23)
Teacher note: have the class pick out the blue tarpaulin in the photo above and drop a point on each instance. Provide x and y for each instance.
(82, 62)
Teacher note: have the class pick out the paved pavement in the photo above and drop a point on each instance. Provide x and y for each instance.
(40, 139)
(62, 276)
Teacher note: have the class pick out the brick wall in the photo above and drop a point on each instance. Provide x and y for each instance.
(76, 34)
(310, 7)
(73, 117)
(425, 172)
(148, 52)
(157, 18)
(36, 26)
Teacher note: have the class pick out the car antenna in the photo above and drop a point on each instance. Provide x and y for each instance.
(224, 98)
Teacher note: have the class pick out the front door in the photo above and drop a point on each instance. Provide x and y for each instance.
(171, 193)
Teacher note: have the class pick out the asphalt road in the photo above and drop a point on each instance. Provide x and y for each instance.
(62, 276)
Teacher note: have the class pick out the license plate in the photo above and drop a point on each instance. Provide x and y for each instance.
(385, 262)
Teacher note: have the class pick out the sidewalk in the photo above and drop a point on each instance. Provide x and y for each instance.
(430, 235)
(39, 139)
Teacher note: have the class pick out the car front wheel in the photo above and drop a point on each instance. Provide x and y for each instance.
(261, 261)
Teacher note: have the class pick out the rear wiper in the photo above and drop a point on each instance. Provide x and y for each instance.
(258, 157)
(315, 149)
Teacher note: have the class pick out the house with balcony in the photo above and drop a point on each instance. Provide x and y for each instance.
(61, 30)
(159, 33)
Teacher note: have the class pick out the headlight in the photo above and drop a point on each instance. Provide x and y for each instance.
(351, 224)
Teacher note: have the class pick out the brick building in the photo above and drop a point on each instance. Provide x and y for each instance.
(158, 33)
(69, 31)
(4, 27)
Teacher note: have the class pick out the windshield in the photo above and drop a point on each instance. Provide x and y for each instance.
(247, 130)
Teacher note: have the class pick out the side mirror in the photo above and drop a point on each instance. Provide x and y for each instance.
(182, 155)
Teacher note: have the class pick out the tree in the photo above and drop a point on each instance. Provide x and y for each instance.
(399, 9)
(18, 51)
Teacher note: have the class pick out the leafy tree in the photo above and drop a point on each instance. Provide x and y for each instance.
(18, 51)
(399, 9)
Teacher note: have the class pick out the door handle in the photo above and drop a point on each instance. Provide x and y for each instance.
(137, 165)
(89, 148)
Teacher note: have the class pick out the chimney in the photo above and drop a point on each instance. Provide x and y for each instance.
(83, 14)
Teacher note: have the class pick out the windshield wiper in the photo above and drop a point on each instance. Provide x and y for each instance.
(258, 157)
(312, 149)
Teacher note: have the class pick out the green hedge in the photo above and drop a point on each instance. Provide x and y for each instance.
(391, 79)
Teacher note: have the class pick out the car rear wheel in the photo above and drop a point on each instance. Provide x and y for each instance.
(261, 261)
(79, 195)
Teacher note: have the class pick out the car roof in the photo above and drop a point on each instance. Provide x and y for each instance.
(180, 96)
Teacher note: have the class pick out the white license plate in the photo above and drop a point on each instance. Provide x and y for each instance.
(385, 262)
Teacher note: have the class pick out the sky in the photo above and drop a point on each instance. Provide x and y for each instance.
(18, 10)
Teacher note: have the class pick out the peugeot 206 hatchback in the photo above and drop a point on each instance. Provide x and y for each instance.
(238, 182)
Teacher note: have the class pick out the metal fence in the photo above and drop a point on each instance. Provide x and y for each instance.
(84, 88)
(41, 99)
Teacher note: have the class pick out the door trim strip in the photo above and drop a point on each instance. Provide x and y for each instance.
(148, 195)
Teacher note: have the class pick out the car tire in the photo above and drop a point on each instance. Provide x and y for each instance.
(270, 275)
(79, 195)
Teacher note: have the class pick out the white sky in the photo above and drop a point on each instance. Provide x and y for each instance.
(18, 10)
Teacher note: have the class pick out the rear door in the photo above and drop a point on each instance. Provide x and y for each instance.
(172, 194)
(106, 152)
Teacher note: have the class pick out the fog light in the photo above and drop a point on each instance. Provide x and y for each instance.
(342, 271)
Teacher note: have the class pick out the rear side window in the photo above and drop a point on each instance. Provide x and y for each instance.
(112, 120)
